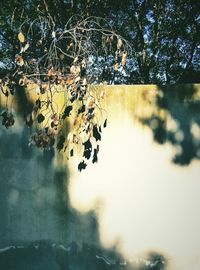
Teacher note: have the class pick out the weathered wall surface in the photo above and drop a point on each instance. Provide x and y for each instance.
(34, 202)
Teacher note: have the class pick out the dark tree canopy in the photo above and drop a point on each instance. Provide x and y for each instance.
(164, 35)
(48, 64)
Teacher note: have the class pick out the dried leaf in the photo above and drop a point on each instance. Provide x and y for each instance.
(96, 133)
(74, 97)
(70, 45)
(87, 149)
(19, 60)
(119, 43)
(116, 66)
(22, 81)
(67, 111)
(82, 165)
(81, 109)
(26, 47)
(71, 152)
(40, 118)
(38, 103)
(124, 56)
(90, 103)
(49, 73)
(105, 124)
(60, 143)
(95, 157)
(70, 81)
(21, 37)
(75, 69)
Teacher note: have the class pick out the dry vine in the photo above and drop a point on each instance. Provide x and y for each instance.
(65, 60)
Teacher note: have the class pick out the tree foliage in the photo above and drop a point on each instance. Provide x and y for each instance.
(164, 35)
(52, 59)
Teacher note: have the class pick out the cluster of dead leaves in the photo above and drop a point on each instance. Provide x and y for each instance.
(120, 55)
(82, 105)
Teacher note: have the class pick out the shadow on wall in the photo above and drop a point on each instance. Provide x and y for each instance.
(182, 105)
(34, 198)
(38, 227)
(46, 256)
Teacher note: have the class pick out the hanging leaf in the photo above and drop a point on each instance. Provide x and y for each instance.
(96, 133)
(124, 56)
(38, 104)
(95, 157)
(60, 143)
(82, 165)
(119, 43)
(71, 152)
(87, 154)
(21, 37)
(81, 109)
(87, 149)
(23, 49)
(70, 81)
(90, 103)
(87, 144)
(40, 118)
(105, 124)
(20, 60)
(74, 97)
(67, 111)
(75, 69)
(116, 66)
(26, 47)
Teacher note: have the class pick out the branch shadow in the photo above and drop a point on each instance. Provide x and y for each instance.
(38, 227)
(180, 125)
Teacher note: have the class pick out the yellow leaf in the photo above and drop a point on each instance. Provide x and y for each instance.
(75, 69)
(19, 60)
(124, 58)
(70, 81)
(90, 102)
(116, 66)
(21, 37)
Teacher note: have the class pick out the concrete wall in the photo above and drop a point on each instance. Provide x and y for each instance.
(34, 202)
